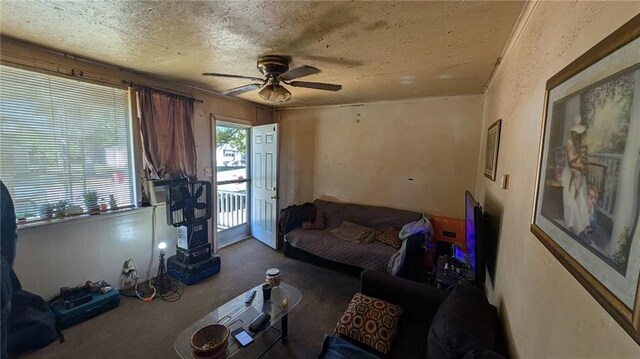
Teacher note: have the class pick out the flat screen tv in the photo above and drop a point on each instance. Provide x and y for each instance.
(474, 234)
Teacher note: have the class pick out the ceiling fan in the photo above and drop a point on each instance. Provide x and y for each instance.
(276, 71)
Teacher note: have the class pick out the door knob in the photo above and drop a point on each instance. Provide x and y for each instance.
(275, 197)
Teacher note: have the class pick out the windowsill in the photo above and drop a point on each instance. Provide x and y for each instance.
(86, 217)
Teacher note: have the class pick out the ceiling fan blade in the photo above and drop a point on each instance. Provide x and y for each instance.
(233, 76)
(316, 85)
(242, 89)
(298, 72)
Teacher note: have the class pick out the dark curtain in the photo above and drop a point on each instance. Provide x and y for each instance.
(167, 134)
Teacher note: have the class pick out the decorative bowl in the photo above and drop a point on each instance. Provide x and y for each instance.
(210, 342)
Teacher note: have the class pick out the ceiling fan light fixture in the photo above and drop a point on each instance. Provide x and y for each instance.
(275, 93)
(275, 69)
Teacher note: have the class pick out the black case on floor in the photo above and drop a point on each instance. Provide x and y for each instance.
(193, 273)
(195, 254)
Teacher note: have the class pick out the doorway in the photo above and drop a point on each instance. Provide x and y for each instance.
(232, 182)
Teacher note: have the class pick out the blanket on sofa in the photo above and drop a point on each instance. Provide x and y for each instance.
(325, 245)
(422, 226)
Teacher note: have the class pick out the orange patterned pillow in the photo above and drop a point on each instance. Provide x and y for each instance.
(320, 222)
(370, 321)
(390, 236)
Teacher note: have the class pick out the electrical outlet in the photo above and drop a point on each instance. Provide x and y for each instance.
(128, 267)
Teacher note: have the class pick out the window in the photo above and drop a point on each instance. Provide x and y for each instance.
(63, 142)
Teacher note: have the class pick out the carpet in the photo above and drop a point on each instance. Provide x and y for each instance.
(147, 330)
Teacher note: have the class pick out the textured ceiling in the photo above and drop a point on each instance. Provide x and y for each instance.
(376, 50)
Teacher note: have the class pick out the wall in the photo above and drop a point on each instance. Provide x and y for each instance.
(95, 248)
(419, 154)
(66, 254)
(546, 312)
(296, 156)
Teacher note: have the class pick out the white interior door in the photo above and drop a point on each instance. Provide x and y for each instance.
(264, 169)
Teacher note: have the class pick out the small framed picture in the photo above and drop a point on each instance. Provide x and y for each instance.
(491, 155)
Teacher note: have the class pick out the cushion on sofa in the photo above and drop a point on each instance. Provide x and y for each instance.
(464, 322)
(370, 321)
(325, 245)
(390, 236)
(354, 233)
(369, 216)
(319, 224)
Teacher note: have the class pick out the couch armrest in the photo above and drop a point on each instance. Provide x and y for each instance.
(415, 298)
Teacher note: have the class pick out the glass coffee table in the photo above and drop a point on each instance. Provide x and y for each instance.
(235, 314)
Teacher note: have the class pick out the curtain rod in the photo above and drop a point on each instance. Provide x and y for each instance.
(130, 83)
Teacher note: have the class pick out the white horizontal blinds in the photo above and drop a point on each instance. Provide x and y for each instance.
(60, 138)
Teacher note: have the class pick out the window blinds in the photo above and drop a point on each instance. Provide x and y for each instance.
(61, 138)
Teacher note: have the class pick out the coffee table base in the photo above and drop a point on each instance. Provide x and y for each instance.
(283, 336)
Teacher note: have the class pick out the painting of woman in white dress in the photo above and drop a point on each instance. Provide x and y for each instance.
(591, 189)
(574, 182)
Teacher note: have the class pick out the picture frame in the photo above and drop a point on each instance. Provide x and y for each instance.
(491, 152)
(587, 200)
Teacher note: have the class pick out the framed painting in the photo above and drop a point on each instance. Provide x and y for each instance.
(491, 153)
(588, 187)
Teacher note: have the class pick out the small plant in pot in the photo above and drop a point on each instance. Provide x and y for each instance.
(61, 208)
(91, 201)
(23, 216)
(46, 210)
(113, 204)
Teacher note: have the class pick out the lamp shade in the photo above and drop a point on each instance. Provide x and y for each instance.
(274, 93)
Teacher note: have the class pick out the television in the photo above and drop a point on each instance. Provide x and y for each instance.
(474, 236)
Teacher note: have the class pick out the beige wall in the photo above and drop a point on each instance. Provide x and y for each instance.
(417, 154)
(547, 313)
(296, 156)
(66, 254)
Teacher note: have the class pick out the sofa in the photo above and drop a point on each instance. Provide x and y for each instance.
(322, 248)
(435, 323)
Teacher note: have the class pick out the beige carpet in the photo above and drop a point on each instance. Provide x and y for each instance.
(147, 330)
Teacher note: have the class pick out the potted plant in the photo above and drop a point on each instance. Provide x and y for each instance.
(23, 216)
(112, 202)
(46, 210)
(91, 201)
(61, 208)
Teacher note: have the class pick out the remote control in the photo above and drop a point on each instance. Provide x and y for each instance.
(250, 297)
(259, 322)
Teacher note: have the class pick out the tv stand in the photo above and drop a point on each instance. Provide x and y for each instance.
(449, 271)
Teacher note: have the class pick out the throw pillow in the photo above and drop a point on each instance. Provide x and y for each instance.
(308, 225)
(354, 233)
(320, 222)
(390, 236)
(370, 321)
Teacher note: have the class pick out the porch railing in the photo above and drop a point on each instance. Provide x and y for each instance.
(232, 209)
(603, 176)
